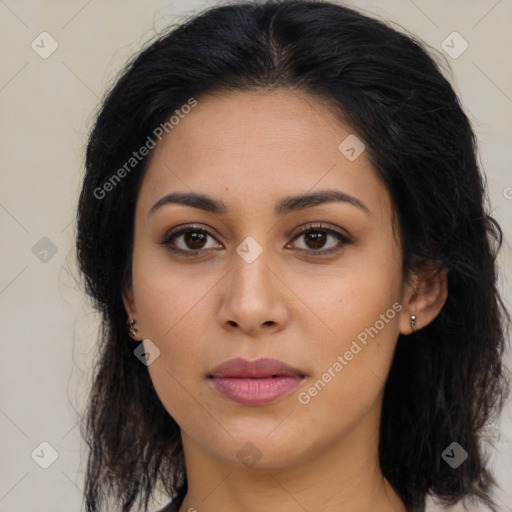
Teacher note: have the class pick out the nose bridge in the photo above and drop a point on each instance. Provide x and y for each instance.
(251, 268)
(252, 292)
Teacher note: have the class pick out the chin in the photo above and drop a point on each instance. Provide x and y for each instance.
(258, 449)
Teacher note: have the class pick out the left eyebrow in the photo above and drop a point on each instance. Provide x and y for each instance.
(292, 203)
(283, 206)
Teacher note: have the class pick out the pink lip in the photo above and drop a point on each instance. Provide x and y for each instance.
(255, 382)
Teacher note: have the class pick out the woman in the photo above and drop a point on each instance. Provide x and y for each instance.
(282, 208)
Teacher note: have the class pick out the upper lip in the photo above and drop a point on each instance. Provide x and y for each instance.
(263, 367)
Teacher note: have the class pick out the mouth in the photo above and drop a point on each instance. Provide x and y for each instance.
(255, 382)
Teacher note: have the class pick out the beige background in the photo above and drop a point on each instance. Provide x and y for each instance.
(47, 107)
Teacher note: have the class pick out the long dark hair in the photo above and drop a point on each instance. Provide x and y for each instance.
(447, 382)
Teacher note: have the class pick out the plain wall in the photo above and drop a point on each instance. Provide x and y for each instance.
(47, 107)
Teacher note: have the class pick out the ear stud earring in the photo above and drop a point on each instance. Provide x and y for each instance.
(413, 323)
(132, 329)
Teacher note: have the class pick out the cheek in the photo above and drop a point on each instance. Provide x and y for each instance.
(359, 309)
(170, 306)
(352, 361)
(168, 297)
(171, 309)
(352, 298)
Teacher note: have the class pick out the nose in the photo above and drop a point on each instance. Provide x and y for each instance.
(254, 296)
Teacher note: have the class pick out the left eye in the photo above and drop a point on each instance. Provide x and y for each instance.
(190, 240)
(316, 237)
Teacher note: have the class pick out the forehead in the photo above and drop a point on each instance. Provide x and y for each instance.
(260, 145)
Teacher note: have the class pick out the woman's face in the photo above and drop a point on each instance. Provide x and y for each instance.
(245, 283)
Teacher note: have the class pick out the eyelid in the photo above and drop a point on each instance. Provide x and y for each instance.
(320, 225)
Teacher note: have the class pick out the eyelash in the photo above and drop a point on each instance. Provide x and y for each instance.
(176, 232)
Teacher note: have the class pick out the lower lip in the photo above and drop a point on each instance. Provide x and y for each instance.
(256, 391)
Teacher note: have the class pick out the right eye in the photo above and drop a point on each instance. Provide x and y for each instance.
(187, 240)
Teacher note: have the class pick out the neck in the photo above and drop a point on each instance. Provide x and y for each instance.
(343, 476)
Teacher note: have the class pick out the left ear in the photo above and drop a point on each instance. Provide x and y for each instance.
(424, 296)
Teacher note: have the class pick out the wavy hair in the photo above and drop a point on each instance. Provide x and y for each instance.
(447, 381)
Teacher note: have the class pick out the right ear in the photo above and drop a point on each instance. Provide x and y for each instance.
(129, 303)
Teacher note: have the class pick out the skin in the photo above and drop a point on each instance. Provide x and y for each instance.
(250, 150)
